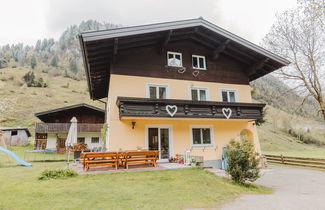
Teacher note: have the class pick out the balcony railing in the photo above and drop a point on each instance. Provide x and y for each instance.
(64, 127)
(171, 108)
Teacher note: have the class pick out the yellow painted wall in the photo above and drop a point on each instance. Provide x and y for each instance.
(122, 136)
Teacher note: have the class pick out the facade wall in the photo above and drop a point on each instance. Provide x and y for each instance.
(51, 139)
(148, 62)
(18, 140)
(122, 136)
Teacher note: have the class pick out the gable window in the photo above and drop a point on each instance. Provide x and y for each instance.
(81, 139)
(174, 59)
(94, 140)
(198, 62)
(199, 94)
(201, 136)
(157, 91)
(229, 95)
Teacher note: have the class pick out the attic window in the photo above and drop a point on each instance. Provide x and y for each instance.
(198, 62)
(174, 59)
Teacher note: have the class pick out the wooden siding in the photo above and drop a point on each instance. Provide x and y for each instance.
(144, 107)
(64, 127)
(146, 61)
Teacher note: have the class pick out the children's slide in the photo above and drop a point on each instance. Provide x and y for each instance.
(14, 156)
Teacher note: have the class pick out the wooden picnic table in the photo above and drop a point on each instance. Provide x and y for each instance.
(123, 158)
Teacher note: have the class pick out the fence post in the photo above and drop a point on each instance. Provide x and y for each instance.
(282, 160)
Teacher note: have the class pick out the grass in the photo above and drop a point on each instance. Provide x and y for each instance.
(7, 161)
(277, 142)
(163, 189)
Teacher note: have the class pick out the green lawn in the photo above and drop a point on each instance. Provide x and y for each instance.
(163, 189)
(31, 157)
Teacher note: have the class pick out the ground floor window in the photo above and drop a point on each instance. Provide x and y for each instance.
(94, 140)
(201, 136)
(81, 139)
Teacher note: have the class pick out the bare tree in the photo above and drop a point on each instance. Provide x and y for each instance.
(299, 36)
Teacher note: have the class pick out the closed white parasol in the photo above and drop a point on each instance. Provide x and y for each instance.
(72, 136)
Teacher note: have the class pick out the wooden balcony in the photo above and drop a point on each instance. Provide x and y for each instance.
(171, 108)
(64, 127)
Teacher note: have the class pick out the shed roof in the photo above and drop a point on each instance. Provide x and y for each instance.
(16, 129)
(100, 47)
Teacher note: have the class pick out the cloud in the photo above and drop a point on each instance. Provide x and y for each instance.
(62, 13)
(35, 19)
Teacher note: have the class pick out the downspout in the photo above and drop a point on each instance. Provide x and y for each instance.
(106, 145)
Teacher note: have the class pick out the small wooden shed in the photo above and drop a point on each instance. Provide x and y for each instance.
(15, 136)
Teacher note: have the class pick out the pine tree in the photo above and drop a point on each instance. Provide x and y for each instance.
(33, 62)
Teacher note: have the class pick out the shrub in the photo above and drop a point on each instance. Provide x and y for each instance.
(32, 81)
(242, 161)
(57, 174)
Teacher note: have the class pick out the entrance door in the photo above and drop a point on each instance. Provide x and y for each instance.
(60, 145)
(158, 139)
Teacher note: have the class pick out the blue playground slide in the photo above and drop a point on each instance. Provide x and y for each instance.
(14, 156)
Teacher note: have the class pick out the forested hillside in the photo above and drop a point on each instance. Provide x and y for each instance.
(274, 92)
(55, 57)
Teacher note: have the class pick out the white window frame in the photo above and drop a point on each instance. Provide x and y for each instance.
(175, 53)
(229, 90)
(205, 63)
(199, 88)
(148, 85)
(211, 136)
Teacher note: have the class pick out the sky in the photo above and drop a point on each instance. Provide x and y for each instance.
(27, 21)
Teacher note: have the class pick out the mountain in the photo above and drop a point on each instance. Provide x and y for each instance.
(55, 57)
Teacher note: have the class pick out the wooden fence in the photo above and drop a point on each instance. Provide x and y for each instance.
(296, 161)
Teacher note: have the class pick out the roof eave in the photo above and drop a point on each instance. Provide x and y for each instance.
(135, 30)
(84, 57)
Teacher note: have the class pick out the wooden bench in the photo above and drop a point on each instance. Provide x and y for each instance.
(139, 158)
(95, 159)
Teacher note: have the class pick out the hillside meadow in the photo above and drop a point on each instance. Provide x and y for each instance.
(19, 103)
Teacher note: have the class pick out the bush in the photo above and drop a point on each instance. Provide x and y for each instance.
(57, 174)
(32, 81)
(242, 161)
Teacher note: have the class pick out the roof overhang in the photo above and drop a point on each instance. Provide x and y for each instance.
(98, 48)
(42, 115)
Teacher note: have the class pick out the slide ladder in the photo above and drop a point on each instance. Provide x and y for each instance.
(14, 156)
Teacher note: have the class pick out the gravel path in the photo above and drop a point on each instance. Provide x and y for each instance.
(294, 189)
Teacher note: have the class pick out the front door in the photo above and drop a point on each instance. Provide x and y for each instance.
(60, 145)
(158, 139)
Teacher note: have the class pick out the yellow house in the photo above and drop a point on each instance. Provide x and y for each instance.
(177, 87)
